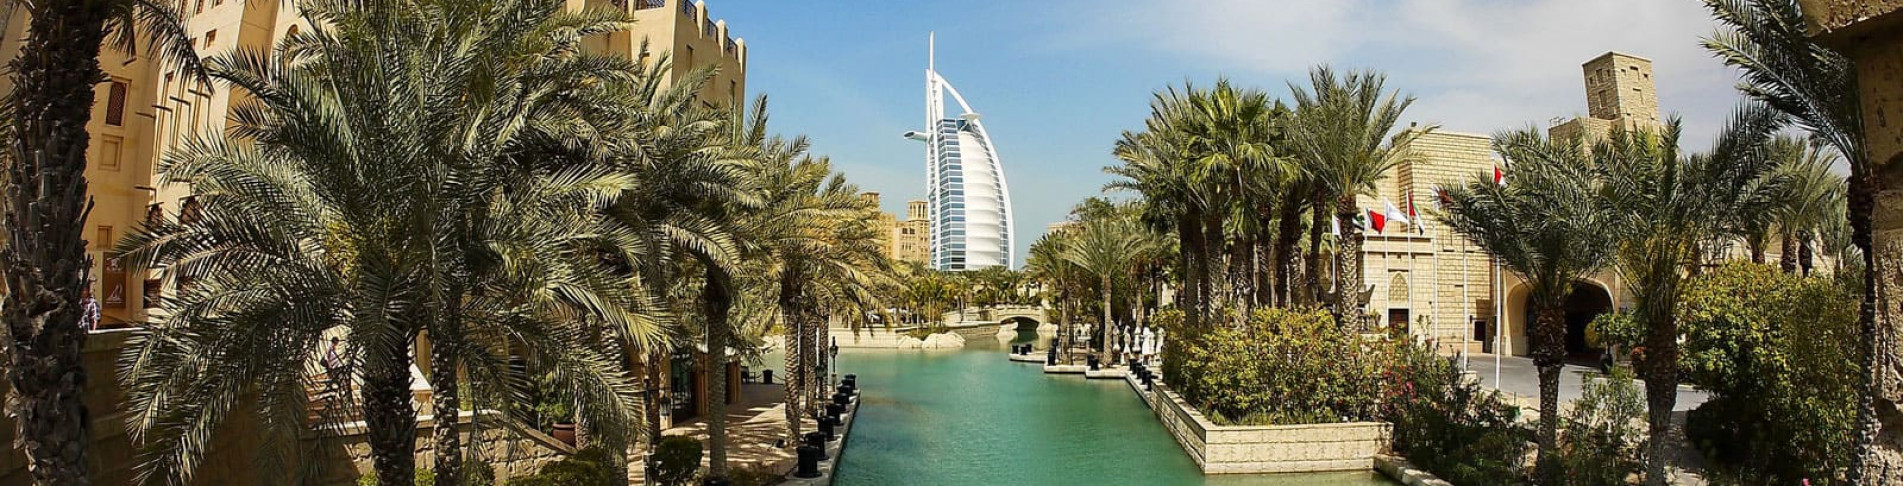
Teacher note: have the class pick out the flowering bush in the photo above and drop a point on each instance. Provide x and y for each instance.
(1451, 426)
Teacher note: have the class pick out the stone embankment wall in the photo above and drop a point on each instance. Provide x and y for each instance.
(1226, 449)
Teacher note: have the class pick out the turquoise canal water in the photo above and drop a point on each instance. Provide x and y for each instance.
(972, 417)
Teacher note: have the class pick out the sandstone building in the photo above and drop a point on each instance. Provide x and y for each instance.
(1437, 284)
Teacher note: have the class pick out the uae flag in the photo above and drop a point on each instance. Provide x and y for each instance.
(1413, 216)
(1499, 177)
(1377, 220)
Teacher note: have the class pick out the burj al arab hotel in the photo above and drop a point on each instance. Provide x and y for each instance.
(968, 200)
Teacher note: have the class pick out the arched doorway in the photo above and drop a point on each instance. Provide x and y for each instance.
(1587, 302)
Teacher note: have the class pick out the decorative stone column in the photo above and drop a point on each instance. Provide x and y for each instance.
(1870, 33)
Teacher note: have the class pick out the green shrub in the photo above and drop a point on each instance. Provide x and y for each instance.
(753, 476)
(1450, 426)
(590, 466)
(1283, 367)
(1604, 433)
(676, 460)
(1615, 328)
(424, 477)
(1774, 351)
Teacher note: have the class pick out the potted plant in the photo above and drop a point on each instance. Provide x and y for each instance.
(555, 411)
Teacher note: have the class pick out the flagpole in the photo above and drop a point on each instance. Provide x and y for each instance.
(1499, 320)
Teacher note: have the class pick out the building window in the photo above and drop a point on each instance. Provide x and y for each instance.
(116, 103)
(201, 7)
(109, 152)
(291, 32)
(688, 60)
(102, 237)
(211, 37)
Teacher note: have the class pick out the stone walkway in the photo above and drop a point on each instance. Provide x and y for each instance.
(754, 425)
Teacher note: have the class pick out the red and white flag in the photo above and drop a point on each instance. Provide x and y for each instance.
(1377, 221)
(1499, 177)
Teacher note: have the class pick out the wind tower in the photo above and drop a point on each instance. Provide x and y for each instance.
(968, 202)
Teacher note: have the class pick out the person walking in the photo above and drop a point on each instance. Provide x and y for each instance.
(88, 309)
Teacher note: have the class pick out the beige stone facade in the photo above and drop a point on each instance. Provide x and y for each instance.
(909, 239)
(1620, 95)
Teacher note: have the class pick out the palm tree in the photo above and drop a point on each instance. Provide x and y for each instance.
(43, 251)
(814, 236)
(1047, 264)
(1768, 41)
(1104, 248)
(388, 182)
(1340, 131)
(1811, 193)
(1546, 228)
(1667, 210)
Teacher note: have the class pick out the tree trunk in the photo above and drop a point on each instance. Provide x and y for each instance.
(1108, 333)
(1659, 369)
(1549, 356)
(1287, 237)
(793, 319)
(1787, 253)
(44, 255)
(1804, 252)
(651, 371)
(1218, 290)
(1874, 202)
(446, 397)
(1318, 211)
(388, 415)
(1348, 300)
(716, 302)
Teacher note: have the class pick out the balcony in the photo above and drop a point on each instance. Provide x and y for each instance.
(687, 8)
(707, 29)
(648, 4)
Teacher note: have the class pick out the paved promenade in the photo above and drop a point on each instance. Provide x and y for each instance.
(753, 426)
(1520, 379)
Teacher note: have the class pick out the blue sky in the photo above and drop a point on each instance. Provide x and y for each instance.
(1058, 81)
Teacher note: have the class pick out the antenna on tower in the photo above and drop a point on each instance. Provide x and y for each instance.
(931, 51)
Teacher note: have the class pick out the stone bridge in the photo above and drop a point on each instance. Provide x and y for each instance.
(987, 321)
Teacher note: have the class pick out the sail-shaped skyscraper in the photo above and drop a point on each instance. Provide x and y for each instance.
(968, 199)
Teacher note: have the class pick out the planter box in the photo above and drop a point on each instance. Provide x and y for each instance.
(1245, 449)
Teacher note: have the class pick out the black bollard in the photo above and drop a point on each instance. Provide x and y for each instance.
(826, 429)
(836, 428)
(1050, 358)
(848, 389)
(841, 398)
(1092, 361)
(817, 440)
(852, 377)
(809, 461)
(834, 410)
